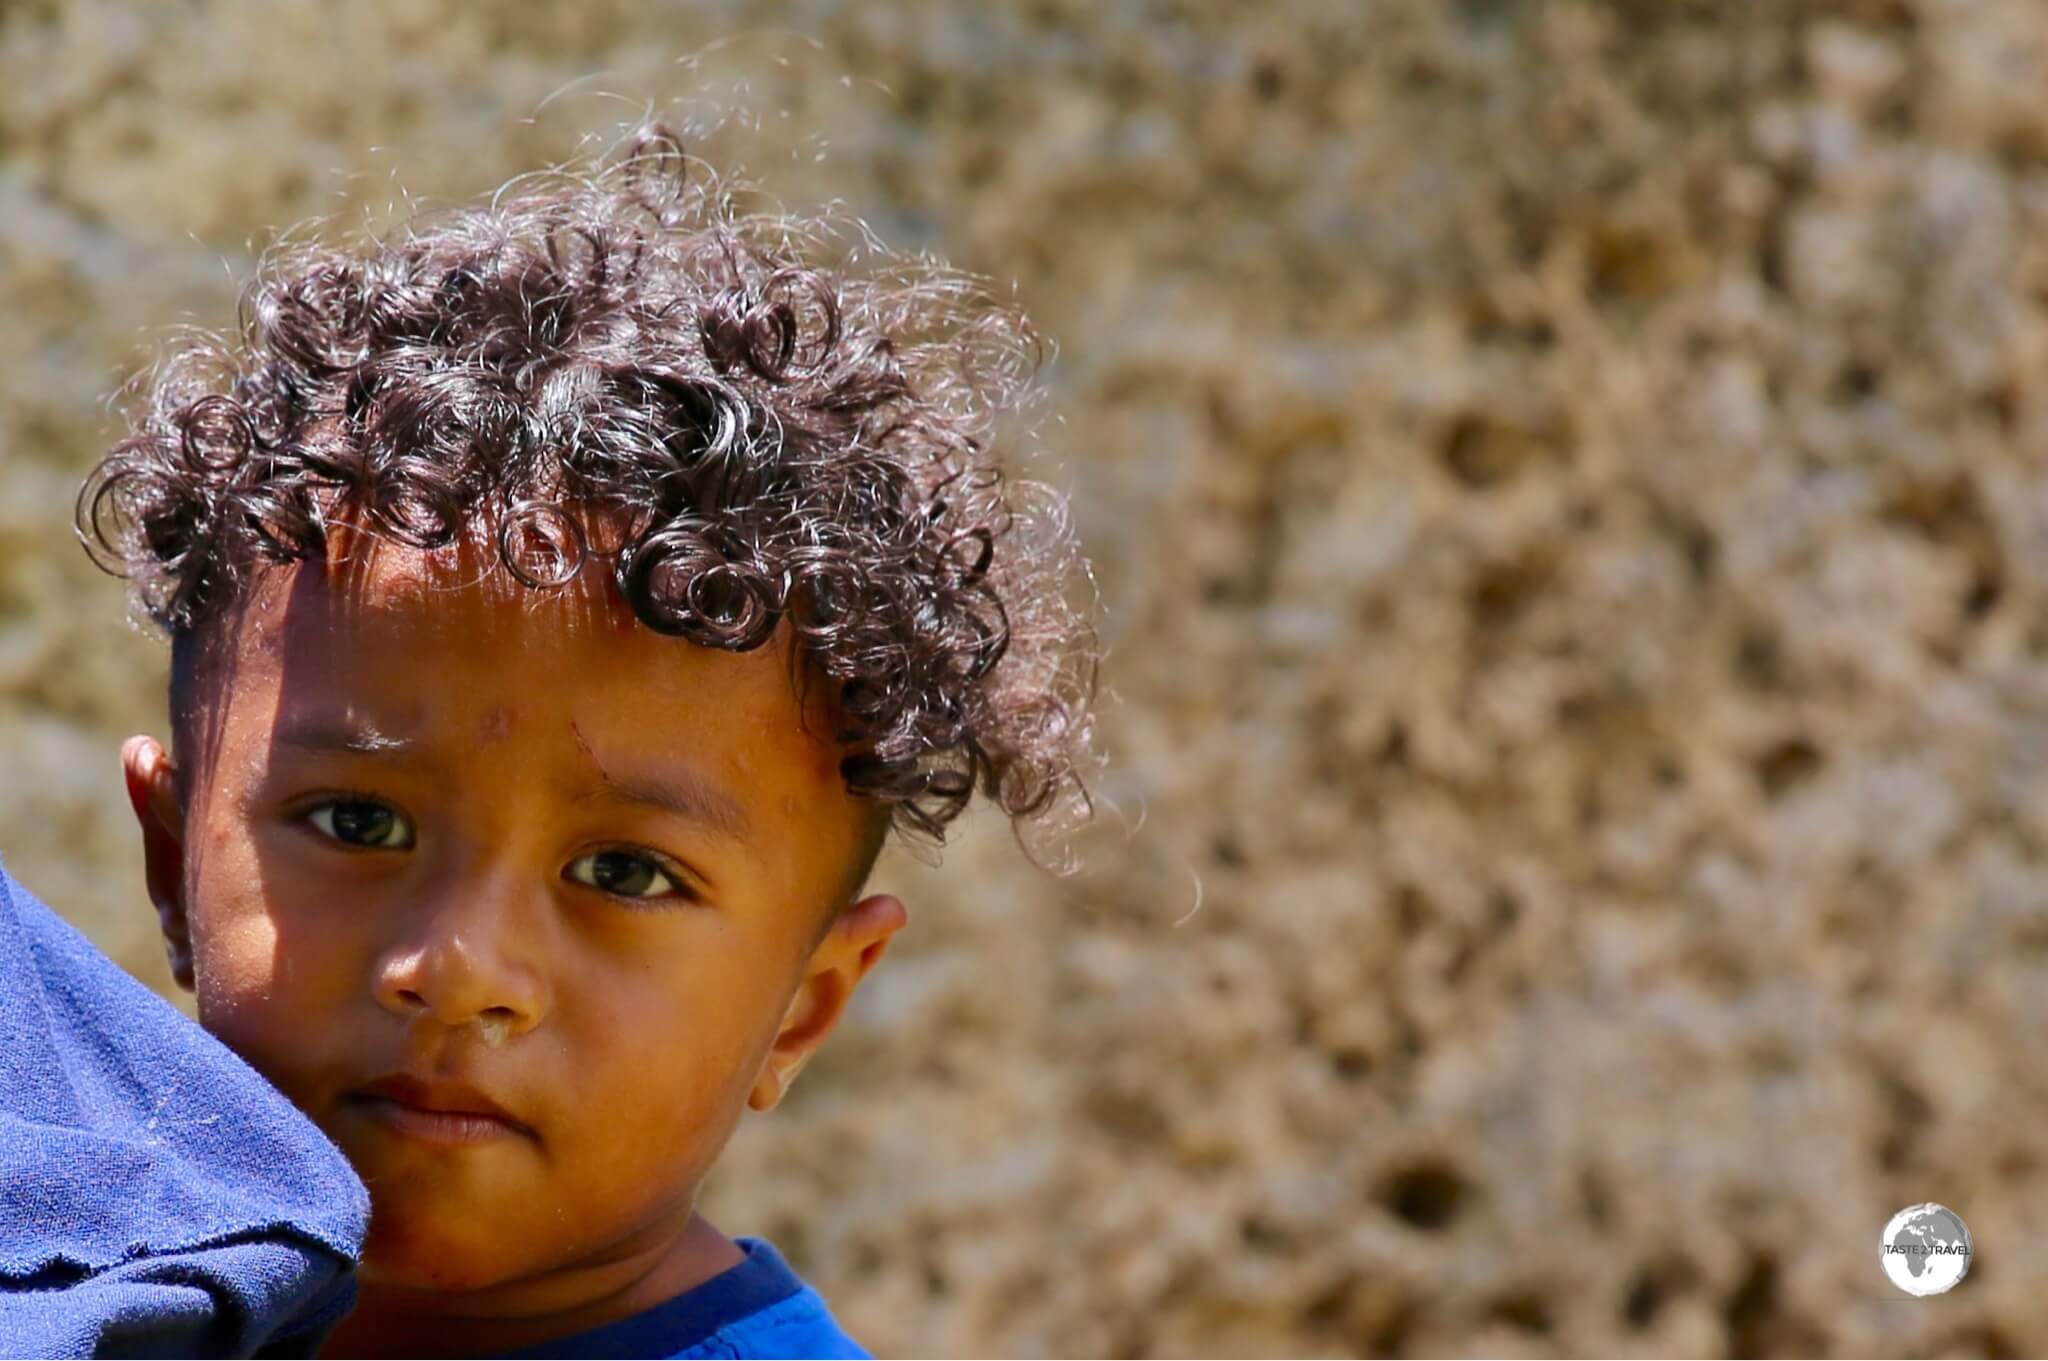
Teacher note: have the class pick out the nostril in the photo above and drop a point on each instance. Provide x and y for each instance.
(495, 1025)
(411, 998)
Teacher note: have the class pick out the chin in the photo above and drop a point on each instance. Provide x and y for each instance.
(395, 1259)
(424, 1238)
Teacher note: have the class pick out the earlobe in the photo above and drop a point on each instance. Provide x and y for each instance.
(854, 945)
(153, 794)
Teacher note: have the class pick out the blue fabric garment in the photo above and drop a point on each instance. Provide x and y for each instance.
(755, 1308)
(158, 1197)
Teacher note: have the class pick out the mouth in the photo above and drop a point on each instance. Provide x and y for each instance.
(436, 1112)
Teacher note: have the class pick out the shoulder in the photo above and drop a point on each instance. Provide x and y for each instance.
(790, 1317)
(801, 1325)
(757, 1308)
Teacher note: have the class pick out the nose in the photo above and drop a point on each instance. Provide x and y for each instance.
(472, 952)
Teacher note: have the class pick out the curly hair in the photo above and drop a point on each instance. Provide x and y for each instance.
(778, 439)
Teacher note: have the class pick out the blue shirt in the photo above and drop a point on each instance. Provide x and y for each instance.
(758, 1308)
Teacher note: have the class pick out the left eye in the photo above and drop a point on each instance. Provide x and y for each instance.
(623, 873)
(362, 822)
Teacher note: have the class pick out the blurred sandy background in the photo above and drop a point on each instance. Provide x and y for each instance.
(1568, 485)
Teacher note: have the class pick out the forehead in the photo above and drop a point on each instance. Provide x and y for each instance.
(449, 644)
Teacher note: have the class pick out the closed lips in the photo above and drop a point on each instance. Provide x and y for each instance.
(453, 1109)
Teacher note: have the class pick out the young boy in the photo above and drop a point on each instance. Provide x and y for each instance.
(566, 597)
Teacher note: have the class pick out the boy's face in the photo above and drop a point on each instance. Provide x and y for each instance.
(471, 847)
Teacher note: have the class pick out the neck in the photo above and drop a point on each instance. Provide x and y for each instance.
(391, 1320)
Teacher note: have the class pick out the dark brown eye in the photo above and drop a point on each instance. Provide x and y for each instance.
(623, 873)
(358, 822)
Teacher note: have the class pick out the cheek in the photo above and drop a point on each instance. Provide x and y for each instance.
(235, 976)
(661, 1129)
(675, 1058)
(234, 940)
(267, 972)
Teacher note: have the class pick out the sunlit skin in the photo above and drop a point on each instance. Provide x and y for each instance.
(420, 842)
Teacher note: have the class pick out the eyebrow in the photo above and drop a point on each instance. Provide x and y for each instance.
(683, 793)
(358, 736)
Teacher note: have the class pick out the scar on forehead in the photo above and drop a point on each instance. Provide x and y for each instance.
(497, 723)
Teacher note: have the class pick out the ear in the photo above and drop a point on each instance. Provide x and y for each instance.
(153, 793)
(853, 945)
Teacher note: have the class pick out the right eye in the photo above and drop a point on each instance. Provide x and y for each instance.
(359, 822)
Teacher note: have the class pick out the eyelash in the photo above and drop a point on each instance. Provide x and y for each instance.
(309, 813)
(668, 869)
